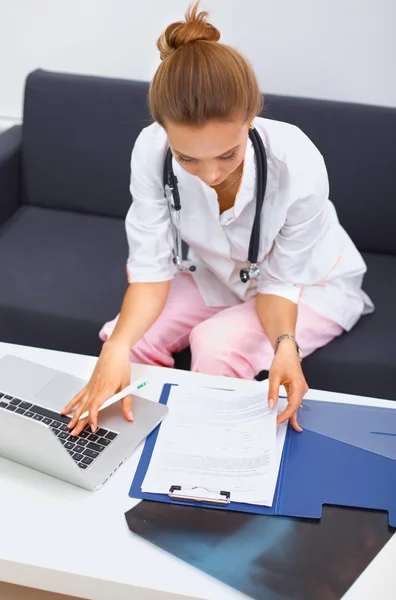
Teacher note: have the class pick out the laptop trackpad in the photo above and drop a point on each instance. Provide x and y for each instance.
(59, 391)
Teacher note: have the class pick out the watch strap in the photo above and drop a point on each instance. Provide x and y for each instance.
(288, 336)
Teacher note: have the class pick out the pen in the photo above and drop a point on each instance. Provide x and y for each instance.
(133, 387)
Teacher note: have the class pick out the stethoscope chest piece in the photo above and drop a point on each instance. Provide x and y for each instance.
(252, 272)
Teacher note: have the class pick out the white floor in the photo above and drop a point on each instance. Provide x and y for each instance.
(17, 592)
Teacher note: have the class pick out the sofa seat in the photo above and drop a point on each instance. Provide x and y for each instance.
(62, 276)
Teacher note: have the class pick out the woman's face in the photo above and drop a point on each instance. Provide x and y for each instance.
(211, 152)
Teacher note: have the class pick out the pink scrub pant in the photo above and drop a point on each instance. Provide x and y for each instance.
(226, 341)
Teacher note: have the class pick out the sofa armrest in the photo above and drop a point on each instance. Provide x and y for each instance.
(10, 171)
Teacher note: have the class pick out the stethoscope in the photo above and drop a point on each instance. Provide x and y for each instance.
(171, 192)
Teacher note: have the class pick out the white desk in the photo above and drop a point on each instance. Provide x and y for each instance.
(57, 537)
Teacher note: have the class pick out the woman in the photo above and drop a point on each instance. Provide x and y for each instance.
(204, 98)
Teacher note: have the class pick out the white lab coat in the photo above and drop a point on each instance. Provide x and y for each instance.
(304, 253)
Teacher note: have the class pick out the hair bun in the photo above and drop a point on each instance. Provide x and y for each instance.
(194, 29)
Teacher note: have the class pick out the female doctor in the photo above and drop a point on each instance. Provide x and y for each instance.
(204, 100)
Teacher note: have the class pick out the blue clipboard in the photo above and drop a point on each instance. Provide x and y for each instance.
(345, 456)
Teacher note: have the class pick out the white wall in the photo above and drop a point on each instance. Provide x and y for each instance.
(333, 49)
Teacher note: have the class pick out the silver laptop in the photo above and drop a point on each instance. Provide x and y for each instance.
(34, 433)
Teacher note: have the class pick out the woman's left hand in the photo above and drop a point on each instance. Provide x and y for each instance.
(286, 370)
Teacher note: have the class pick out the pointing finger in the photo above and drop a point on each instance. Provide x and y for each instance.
(77, 398)
(94, 406)
(79, 427)
(78, 412)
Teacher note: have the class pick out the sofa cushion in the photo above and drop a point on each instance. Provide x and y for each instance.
(62, 275)
(363, 361)
(78, 135)
(358, 145)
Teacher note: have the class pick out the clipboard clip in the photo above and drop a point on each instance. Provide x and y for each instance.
(176, 492)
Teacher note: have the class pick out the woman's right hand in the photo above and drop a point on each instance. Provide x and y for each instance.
(112, 374)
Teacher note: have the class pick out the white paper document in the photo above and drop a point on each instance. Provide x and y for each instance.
(216, 440)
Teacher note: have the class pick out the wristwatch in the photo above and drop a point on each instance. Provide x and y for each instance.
(288, 336)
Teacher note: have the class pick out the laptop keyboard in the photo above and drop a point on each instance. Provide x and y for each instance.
(85, 448)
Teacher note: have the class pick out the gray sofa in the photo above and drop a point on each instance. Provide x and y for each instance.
(64, 177)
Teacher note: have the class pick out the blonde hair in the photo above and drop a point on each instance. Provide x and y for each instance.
(200, 79)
